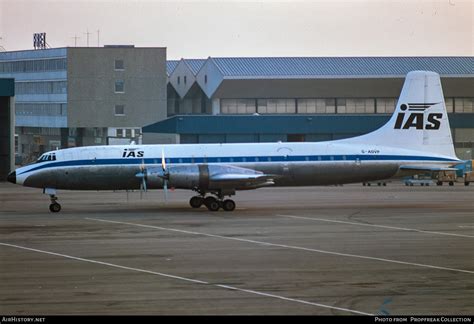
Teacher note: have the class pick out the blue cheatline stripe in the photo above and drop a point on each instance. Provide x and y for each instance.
(237, 159)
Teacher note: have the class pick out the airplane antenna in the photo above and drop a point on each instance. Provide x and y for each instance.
(75, 40)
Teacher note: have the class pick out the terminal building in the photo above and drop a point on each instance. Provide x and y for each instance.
(228, 100)
(66, 97)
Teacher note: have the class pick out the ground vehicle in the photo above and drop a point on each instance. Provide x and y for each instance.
(421, 180)
(379, 183)
(464, 173)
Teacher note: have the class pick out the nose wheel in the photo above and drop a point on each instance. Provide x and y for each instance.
(54, 207)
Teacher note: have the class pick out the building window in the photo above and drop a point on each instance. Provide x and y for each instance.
(276, 106)
(463, 143)
(316, 106)
(449, 104)
(119, 132)
(238, 106)
(179, 80)
(119, 110)
(41, 87)
(184, 79)
(16, 143)
(33, 65)
(128, 133)
(119, 66)
(119, 86)
(355, 106)
(41, 109)
(386, 105)
(341, 106)
(464, 105)
(205, 78)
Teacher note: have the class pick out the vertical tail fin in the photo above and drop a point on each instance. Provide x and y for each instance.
(420, 121)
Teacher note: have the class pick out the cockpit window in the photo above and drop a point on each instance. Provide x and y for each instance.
(46, 157)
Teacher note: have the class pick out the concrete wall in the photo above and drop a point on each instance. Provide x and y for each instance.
(91, 86)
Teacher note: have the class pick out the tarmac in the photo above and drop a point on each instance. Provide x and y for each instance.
(338, 250)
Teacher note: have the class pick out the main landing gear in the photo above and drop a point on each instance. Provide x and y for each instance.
(212, 203)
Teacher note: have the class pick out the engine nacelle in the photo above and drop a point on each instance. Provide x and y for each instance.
(179, 176)
(195, 176)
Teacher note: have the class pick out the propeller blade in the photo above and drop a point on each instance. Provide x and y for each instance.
(163, 161)
(165, 189)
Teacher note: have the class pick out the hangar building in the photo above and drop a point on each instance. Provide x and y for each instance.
(225, 100)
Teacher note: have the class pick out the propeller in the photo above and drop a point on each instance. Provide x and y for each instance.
(165, 174)
(143, 175)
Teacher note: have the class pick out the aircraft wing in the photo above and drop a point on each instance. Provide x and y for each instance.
(426, 168)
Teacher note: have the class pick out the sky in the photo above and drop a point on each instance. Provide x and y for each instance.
(199, 29)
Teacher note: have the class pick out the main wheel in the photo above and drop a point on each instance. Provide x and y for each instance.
(451, 183)
(196, 201)
(211, 203)
(55, 208)
(228, 205)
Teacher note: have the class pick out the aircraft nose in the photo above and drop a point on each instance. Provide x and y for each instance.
(12, 177)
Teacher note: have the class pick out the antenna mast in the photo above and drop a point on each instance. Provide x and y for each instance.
(87, 37)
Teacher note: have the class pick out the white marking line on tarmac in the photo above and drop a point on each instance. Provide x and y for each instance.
(373, 225)
(185, 279)
(284, 246)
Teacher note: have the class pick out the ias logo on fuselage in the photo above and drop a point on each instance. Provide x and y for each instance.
(132, 152)
(416, 117)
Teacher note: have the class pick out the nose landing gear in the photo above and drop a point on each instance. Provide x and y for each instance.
(55, 207)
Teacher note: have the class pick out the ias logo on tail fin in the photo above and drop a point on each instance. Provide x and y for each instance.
(416, 117)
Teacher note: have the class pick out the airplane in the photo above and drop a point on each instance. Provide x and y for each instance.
(416, 139)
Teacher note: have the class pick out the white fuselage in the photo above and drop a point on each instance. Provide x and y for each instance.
(292, 164)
